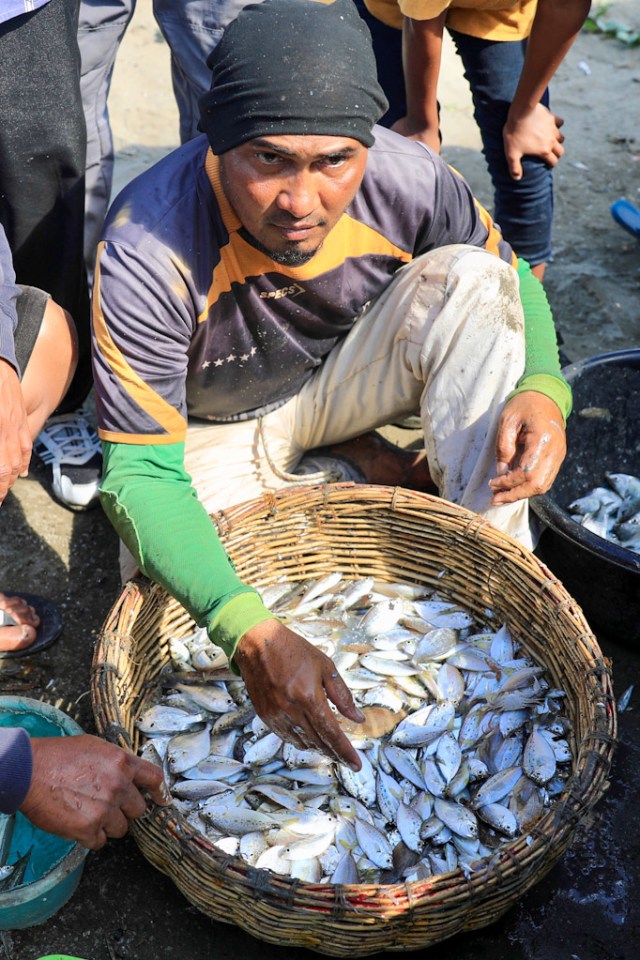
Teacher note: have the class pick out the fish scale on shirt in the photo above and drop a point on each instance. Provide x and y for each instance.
(200, 323)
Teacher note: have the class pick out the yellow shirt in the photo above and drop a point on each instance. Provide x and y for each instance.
(488, 19)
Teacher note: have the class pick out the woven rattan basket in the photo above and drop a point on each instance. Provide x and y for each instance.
(391, 534)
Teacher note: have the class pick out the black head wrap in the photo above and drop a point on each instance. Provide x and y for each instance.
(292, 67)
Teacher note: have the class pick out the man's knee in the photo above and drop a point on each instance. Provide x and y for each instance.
(457, 284)
(488, 286)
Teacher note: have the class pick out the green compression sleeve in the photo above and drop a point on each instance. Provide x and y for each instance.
(542, 364)
(150, 500)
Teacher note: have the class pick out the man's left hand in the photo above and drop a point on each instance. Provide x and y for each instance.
(535, 134)
(530, 447)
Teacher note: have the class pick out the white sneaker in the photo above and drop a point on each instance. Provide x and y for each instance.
(317, 468)
(70, 450)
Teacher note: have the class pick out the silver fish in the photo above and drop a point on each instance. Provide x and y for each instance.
(274, 859)
(162, 719)
(236, 820)
(198, 789)
(389, 667)
(360, 784)
(252, 845)
(374, 844)
(459, 819)
(450, 704)
(409, 822)
(215, 768)
(500, 818)
(405, 764)
(388, 795)
(448, 756)
(450, 684)
(186, 750)
(496, 787)
(309, 846)
(262, 750)
(274, 593)
(383, 616)
(436, 644)
(539, 759)
(346, 871)
(308, 870)
(213, 699)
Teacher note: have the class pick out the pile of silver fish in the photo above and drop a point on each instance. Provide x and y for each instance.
(612, 512)
(465, 743)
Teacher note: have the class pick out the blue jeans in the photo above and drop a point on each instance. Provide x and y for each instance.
(522, 208)
(387, 48)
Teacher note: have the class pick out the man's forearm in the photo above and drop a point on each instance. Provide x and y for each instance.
(542, 364)
(151, 502)
(555, 27)
(421, 56)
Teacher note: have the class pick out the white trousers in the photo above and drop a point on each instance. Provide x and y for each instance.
(446, 337)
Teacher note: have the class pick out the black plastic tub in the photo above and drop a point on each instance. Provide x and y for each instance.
(603, 435)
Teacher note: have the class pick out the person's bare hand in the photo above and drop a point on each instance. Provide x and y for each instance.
(289, 681)
(418, 131)
(85, 789)
(534, 134)
(27, 620)
(15, 439)
(530, 447)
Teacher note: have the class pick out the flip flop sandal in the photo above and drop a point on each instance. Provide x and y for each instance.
(627, 215)
(47, 632)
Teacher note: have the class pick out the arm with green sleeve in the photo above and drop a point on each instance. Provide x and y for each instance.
(542, 364)
(148, 496)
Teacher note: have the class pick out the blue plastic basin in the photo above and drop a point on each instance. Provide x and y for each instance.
(55, 865)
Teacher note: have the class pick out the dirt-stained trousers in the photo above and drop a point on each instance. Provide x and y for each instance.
(446, 337)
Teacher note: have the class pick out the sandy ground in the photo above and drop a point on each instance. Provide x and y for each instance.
(587, 908)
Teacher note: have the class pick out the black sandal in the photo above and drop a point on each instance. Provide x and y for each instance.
(48, 630)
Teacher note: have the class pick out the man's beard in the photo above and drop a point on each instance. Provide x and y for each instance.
(292, 257)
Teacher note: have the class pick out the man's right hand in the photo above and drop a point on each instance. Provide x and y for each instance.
(15, 439)
(85, 789)
(289, 681)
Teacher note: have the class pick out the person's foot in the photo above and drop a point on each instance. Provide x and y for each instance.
(381, 462)
(70, 450)
(18, 623)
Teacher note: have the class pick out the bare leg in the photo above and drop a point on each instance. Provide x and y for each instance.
(539, 271)
(51, 366)
(46, 379)
(380, 461)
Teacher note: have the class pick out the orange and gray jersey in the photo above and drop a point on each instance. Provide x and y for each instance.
(191, 319)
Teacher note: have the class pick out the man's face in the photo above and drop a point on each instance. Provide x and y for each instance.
(290, 191)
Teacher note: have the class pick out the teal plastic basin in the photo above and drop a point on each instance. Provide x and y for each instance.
(55, 865)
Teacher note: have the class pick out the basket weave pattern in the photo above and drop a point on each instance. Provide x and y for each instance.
(390, 534)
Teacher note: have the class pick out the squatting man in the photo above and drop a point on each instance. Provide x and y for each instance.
(293, 279)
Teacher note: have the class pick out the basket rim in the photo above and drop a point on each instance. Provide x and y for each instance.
(524, 855)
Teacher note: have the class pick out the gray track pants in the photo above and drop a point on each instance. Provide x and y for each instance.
(192, 28)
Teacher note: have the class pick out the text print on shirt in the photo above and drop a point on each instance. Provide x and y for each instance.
(293, 291)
